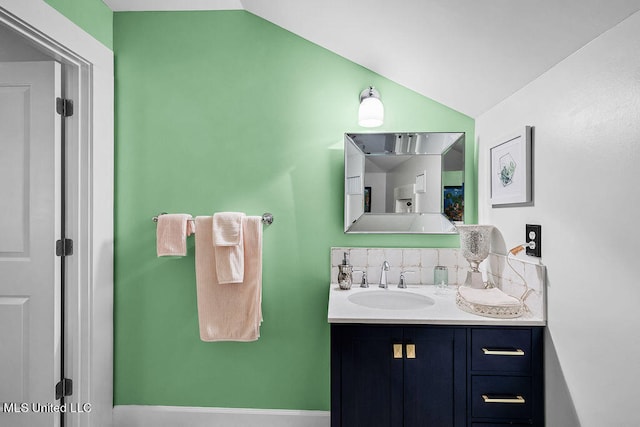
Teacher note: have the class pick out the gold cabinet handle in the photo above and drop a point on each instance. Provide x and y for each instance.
(411, 351)
(502, 351)
(397, 351)
(502, 399)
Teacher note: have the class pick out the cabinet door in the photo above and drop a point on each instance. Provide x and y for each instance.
(367, 378)
(434, 377)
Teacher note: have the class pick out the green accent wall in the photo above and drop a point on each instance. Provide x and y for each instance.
(224, 111)
(93, 16)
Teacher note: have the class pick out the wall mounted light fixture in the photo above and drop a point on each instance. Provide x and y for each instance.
(371, 111)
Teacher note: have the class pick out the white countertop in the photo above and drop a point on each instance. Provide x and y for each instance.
(443, 312)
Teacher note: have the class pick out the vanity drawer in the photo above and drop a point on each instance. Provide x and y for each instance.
(507, 397)
(502, 350)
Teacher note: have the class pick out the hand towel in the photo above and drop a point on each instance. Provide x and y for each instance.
(171, 234)
(229, 246)
(229, 312)
(227, 228)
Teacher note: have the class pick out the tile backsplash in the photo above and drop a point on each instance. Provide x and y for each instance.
(420, 262)
(416, 263)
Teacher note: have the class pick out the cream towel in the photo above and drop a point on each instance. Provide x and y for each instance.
(227, 228)
(229, 312)
(229, 246)
(490, 296)
(171, 234)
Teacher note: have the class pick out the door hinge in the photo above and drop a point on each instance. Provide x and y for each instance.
(64, 107)
(64, 247)
(64, 388)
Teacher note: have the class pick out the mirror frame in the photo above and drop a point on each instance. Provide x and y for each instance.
(357, 221)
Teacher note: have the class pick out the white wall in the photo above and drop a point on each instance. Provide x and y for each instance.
(586, 113)
(406, 173)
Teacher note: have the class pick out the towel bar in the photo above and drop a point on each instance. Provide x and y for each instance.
(267, 218)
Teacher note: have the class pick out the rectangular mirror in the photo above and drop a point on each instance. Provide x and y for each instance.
(409, 182)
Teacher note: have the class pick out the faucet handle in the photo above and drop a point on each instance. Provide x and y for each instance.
(402, 284)
(363, 283)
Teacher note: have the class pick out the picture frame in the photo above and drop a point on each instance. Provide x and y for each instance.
(453, 203)
(367, 199)
(511, 169)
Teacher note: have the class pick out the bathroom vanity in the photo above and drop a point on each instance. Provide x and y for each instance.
(418, 360)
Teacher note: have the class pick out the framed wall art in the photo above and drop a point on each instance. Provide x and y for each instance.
(453, 203)
(367, 199)
(511, 169)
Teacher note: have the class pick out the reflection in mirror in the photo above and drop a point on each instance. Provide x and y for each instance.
(403, 182)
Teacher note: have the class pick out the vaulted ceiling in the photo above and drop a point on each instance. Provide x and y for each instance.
(466, 54)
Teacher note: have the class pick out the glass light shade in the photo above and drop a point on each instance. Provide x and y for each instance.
(371, 113)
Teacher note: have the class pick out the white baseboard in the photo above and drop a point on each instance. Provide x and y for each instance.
(178, 416)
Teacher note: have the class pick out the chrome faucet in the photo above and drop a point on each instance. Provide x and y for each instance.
(383, 274)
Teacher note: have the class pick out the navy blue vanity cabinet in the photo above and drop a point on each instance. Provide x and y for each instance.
(505, 376)
(398, 376)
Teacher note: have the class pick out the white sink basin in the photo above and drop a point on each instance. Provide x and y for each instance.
(391, 300)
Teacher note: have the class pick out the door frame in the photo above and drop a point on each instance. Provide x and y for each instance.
(88, 80)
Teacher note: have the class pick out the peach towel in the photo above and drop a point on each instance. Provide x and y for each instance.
(229, 312)
(229, 246)
(171, 234)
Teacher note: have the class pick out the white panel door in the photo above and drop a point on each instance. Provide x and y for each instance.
(29, 227)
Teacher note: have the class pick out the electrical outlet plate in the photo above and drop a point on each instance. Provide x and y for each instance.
(534, 234)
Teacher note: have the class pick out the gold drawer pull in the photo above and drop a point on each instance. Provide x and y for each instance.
(502, 399)
(397, 351)
(411, 351)
(502, 352)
